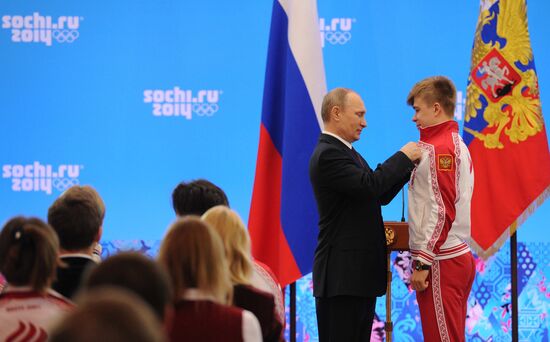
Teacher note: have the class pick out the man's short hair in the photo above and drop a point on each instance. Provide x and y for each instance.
(137, 273)
(435, 89)
(108, 315)
(77, 215)
(196, 197)
(335, 97)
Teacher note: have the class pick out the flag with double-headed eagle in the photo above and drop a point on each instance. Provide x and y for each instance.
(504, 128)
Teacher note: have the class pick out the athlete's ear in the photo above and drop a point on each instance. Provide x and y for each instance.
(437, 108)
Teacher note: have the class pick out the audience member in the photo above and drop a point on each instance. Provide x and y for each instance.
(193, 255)
(233, 233)
(77, 217)
(264, 279)
(137, 273)
(108, 315)
(195, 198)
(28, 257)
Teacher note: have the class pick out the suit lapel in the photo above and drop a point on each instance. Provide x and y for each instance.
(329, 139)
(358, 157)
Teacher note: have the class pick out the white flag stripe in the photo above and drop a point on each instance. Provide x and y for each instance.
(305, 44)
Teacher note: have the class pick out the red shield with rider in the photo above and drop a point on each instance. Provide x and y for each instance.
(495, 76)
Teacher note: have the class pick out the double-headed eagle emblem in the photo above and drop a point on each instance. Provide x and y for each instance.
(503, 85)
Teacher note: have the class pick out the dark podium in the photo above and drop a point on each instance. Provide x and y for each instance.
(397, 239)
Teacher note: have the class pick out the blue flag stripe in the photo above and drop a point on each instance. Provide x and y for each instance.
(289, 117)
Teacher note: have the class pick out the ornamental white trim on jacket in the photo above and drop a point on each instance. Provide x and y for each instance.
(440, 193)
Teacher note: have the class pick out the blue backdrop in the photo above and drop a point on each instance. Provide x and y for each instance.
(88, 91)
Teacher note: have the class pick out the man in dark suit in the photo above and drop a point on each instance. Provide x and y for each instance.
(349, 269)
(77, 217)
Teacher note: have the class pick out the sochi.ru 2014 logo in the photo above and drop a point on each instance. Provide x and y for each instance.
(37, 28)
(178, 102)
(336, 31)
(38, 177)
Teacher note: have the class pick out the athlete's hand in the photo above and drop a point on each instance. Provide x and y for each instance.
(419, 280)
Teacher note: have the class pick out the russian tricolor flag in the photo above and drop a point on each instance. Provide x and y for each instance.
(283, 214)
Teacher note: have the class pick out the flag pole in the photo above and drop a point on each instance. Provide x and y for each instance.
(397, 239)
(388, 326)
(292, 317)
(514, 272)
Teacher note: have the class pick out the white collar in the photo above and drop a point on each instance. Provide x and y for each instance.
(197, 294)
(339, 138)
(12, 288)
(22, 289)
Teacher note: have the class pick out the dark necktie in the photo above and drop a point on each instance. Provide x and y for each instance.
(357, 157)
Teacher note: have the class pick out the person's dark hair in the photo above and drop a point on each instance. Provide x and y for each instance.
(196, 197)
(108, 315)
(29, 251)
(137, 273)
(77, 216)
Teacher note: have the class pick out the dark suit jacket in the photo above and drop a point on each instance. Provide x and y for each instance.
(262, 305)
(350, 258)
(69, 278)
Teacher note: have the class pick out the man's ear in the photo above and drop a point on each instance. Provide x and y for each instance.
(97, 238)
(335, 113)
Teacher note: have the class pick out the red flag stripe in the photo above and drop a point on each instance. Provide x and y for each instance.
(269, 244)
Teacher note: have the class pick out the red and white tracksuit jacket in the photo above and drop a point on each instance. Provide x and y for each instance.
(26, 315)
(440, 192)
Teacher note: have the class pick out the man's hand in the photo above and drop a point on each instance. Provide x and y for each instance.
(412, 151)
(419, 280)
